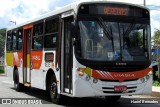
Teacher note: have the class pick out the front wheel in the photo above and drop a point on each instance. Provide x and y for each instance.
(55, 97)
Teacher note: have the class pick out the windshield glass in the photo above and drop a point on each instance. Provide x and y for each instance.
(114, 41)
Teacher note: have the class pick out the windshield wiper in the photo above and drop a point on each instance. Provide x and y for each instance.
(107, 32)
(105, 28)
(129, 29)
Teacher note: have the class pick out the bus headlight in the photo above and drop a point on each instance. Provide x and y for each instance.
(88, 78)
(95, 80)
(142, 80)
(147, 77)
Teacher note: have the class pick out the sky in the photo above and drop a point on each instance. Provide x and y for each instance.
(23, 10)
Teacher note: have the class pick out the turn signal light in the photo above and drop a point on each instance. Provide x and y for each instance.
(78, 69)
(150, 72)
(81, 73)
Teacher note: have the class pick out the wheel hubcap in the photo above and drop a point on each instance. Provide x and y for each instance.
(53, 90)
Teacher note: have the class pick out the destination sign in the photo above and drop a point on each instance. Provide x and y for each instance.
(112, 9)
(116, 11)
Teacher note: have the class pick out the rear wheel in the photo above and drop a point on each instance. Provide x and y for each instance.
(18, 86)
(112, 99)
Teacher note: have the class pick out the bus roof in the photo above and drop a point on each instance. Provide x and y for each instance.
(71, 7)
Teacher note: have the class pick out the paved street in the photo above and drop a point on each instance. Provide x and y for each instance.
(7, 91)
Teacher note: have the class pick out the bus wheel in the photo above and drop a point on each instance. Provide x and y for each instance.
(18, 86)
(55, 97)
(112, 99)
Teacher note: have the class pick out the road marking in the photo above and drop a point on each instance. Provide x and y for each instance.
(8, 82)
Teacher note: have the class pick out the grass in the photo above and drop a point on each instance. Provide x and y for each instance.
(1, 69)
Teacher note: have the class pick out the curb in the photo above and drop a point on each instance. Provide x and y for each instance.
(3, 75)
(155, 94)
(155, 91)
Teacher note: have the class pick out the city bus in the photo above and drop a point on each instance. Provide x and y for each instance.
(84, 49)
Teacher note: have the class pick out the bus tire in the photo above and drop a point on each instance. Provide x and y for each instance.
(112, 99)
(55, 97)
(18, 86)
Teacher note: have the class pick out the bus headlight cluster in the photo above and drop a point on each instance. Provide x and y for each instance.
(147, 77)
(88, 78)
(83, 75)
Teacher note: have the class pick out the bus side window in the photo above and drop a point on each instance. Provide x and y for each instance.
(19, 40)
(14, 35)
(51, 33)
(9, 41)
(37, 40)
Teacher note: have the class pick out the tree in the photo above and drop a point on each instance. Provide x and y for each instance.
(2, 41)
(156, 37)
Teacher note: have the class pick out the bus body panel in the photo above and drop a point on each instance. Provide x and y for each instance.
(37, 78)
(90, 83)
(106, 87)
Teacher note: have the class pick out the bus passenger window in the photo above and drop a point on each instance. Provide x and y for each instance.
(37, 40)
(50, 41)
(37, 43)
(9, 41)
(14, 34)
(19, 40)
(51, 33)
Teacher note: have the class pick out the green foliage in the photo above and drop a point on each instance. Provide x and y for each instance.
(156, 36)
(139, 39)
(156, 83)
(156, 73)
(2, 41)
(1, 69)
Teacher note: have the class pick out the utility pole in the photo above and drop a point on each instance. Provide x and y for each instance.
(144, 2)
(13, 22)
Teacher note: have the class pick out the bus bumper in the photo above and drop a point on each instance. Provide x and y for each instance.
(88, 88)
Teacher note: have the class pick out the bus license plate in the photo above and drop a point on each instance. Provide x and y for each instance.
(120, 88)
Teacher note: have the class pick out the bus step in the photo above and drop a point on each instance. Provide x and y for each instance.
(27, 84)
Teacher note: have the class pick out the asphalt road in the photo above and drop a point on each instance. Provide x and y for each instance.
(7, 91)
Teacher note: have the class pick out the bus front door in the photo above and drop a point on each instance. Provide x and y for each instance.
(68, 57)
(26, 54)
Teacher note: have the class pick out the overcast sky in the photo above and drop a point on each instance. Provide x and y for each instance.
(22, 10)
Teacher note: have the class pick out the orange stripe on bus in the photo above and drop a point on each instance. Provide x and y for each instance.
(120, 76)
(28, 26)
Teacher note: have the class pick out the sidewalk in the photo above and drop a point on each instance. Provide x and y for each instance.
(3, 75)
(155, 91)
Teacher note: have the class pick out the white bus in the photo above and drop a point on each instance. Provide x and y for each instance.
(85, 49)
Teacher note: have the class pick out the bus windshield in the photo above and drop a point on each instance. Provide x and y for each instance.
(103, 40)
